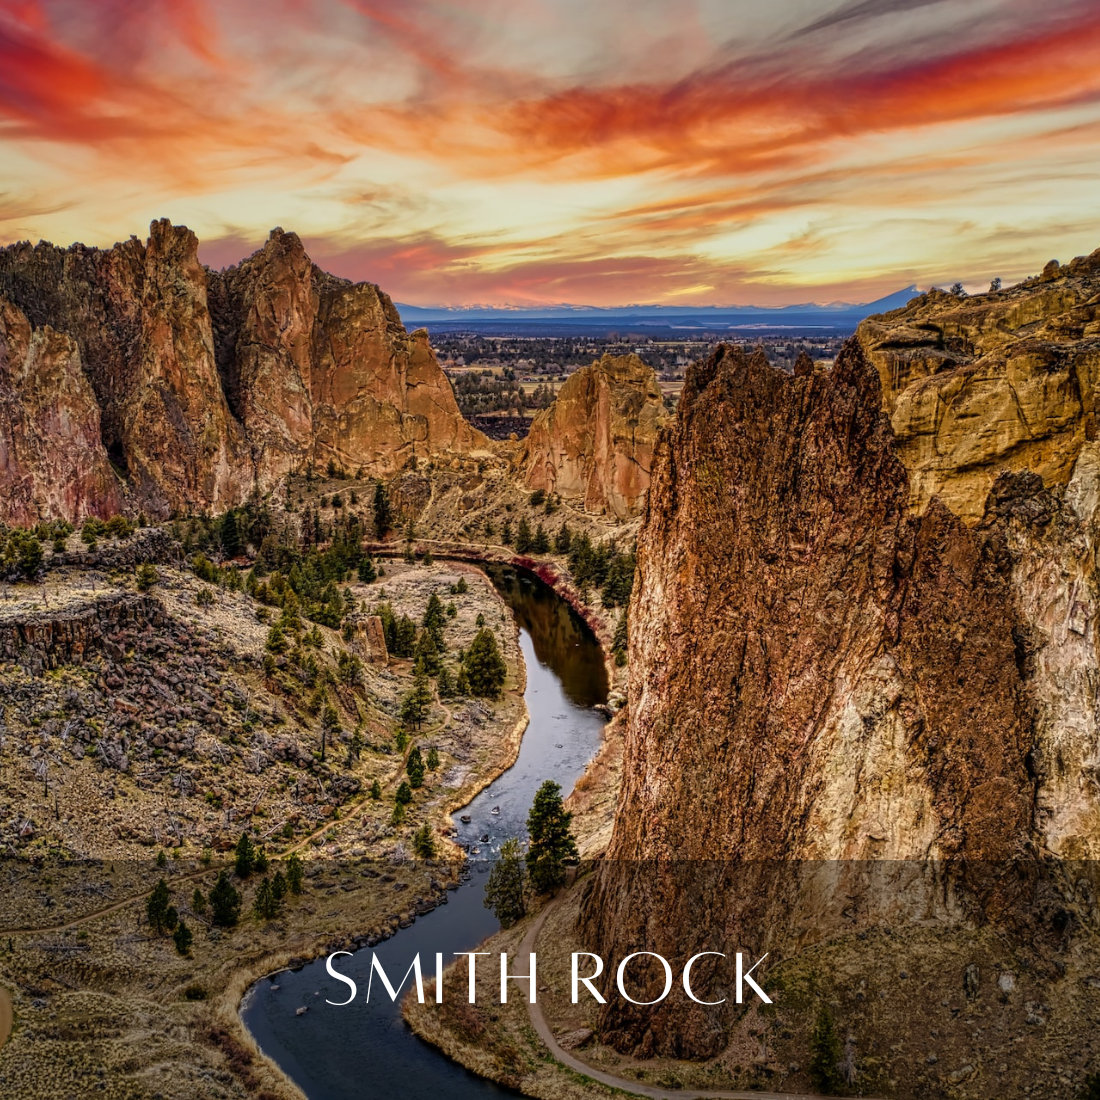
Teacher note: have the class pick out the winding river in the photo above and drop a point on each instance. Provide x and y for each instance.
(366, 1050)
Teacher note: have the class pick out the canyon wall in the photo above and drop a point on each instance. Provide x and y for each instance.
(843, 709)
(208, 385)
(595, 443)
(1001, 381)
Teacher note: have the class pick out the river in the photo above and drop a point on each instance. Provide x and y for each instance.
(366, 1050)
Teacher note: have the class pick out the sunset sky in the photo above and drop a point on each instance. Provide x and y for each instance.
(588, 151)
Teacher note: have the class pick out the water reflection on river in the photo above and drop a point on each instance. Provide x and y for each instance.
(365, 1050)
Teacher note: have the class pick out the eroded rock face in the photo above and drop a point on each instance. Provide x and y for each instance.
(596, 441)
(380, 396)
(52, 462)
(1002, 381)
(212, 384)
(817, 674)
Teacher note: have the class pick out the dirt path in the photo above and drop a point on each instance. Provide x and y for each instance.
(569, 1059)
(5, 1015)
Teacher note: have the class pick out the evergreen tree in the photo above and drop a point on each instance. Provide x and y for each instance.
(620, 581)
(435, 618)
(376, 790)
(145, 577)
(183, 938)
(414, 768)
(418, 699)
(198, 902)
(157, 906)
(260, 863)
(278, 886)
(404, 794)
(507, 885)
(225, 902)
(461, 588)
(367, 573)
(462, 685)
(445, 683)
(541, 541)
(427, 652)
(506, 532)
(230, 535)
(620, 641)
(404, 637)
(245, 862)
(825, 1053)
(433, 759)
(524, 538)
(424, 842)
(294, 874)
(552, 840)
(563, 539)
(265, 905)
(330, 727)
(383, 514)
(484, 667)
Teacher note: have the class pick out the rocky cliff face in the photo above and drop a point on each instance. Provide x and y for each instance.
(207, 385)
(51, 455)
(841, 711)
(999, 381)
(596, 441)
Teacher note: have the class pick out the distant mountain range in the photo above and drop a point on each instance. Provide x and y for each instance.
(560, 320)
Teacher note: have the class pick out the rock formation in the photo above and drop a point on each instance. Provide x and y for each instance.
(210, 384)
(51, 456)
(596, 441)
(841, 712)
(1001, 381)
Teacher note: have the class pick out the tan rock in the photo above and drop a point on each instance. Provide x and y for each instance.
(596, 441)
(379, 394)
(1000, 381)
(369, 640)
(52, 461)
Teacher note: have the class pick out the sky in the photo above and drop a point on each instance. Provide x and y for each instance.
(528, 152)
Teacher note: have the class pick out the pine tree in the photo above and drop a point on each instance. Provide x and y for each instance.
(621, 639)
(445, 683)
(418, 699)
(376, 790)
(414, 768)
(230, 535)
(157, 906)
(198, 902)
(507, 885)
(278, 886)
(330, 727)
(383, 515)
(435, 618)
(484, 667)
(552, 840)
(225, 902)
(563, 539)
(433, 758)
(825, 1053)
(294, 874)
(260, 864)
(524, 538)
(462, 685)
(404, 794)
(245, 861)
(541, 541)
(367, 573)
(183, 938)
(424, 842)
(506, 532)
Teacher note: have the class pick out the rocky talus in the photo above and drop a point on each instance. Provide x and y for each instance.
(595, 443)
(842, 712)
(1000, 381)
(173, 388)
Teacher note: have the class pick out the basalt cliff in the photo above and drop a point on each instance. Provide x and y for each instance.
(864, 669)
(136, 378)
(595, 443)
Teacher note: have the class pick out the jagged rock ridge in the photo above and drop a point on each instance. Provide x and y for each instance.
(819, 674)
(1006, 380)
(596, 441)
(209, 384)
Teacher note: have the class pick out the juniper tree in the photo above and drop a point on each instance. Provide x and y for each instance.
(424, 842)
(183, 938)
